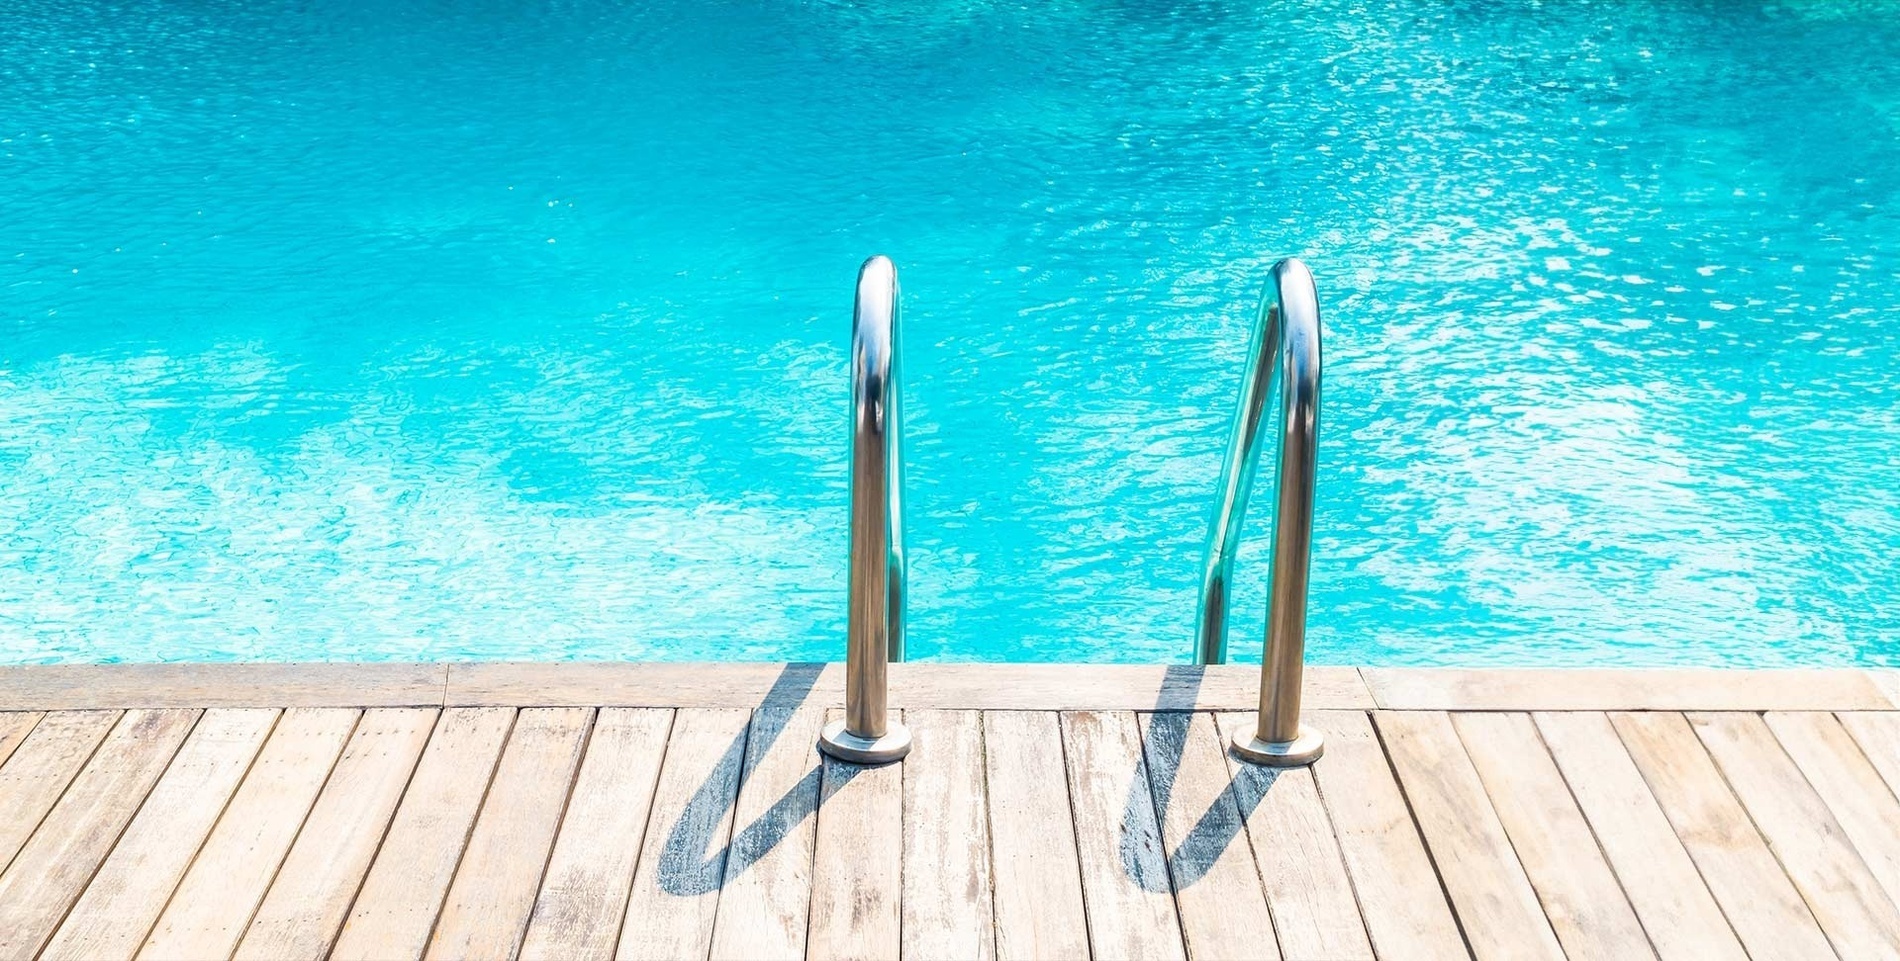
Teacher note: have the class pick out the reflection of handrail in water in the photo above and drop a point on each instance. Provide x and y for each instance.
(684, 868)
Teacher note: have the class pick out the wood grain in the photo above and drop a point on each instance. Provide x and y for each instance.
(65, 687)
(1843, 895)
(56, 863)
(1404, 908)
(14, 727)
(1038, 882)
(1579, 892)
(40, 768)
(305, 905)
(213, 904)
(486, 912)
(1125, 882)
(132, 886)
(1308, 890)
(1762, 905)
(583, 900)
(403, 892)
(1217, 889)
(1678, 913)
(948, 900)
(675, 893)
(1500, 911)
(1613, 689)
(858, 863)
(765, 904)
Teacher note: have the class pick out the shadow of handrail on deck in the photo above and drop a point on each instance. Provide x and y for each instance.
(682, 870)
(1143, 840)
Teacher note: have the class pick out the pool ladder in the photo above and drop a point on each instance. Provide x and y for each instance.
(1286, 329)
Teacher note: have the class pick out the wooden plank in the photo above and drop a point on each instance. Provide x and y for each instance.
(1496, 904)
(1614, 689)
(675, 893)
(488, 905)
(228, 879)
(1762, 906)
(1315, 913)
(1877, 733)
(1038, 875)
(947, 901)
(1584, 903)
(1405, 910)
(1223, 907)
(306, 903)
(1843, 895)
(1125, 881)
(858, 862)
(1840, 773)
(916, 686)
(14, 727)
(127, 894)
(583, 900)
(765, 905)
(1678, 913)
(53, 867)
(65, 687)
(401, 896)
(1887, 679)
(41, 767)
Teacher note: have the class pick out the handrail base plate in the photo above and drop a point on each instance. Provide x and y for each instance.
(1301, 751)
(846, 746)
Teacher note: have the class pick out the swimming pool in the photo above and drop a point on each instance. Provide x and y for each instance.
(409, 330)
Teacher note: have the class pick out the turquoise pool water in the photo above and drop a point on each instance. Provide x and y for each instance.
(406, 330)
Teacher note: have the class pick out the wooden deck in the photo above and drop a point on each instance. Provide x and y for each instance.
(667, 811)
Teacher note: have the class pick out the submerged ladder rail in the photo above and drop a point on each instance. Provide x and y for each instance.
(1285, 346)
(875, 631)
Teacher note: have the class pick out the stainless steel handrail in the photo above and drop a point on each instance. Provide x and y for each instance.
(875, 632)
(1287, 330)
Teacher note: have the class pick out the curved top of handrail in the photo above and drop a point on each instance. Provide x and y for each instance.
(1287, 328)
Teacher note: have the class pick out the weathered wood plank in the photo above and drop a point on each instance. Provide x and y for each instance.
(1308, 890)
(307, 901)
(858, 862)
(1026, 687)
(226, 882)
(1664, 689)
(14, 727)
(1887, 679)
(765, 905)
(583, 900)
(1499, 909)
(65, 687)
(1580, 894)
(1223, 907)
(1125, 881)
(1404, 908)
(486, 912)
(947, 900)
(1678, 913)
(132, 886)
(406, 884)
(56, 863)
(1841, 774)
(41, 767)
(1038, 876)
(1762, 905)
(675, 893)
(1843, 895)
(1877, 733)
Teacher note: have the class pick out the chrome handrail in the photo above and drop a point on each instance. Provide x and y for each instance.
(1286, 329)
(875, 632)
